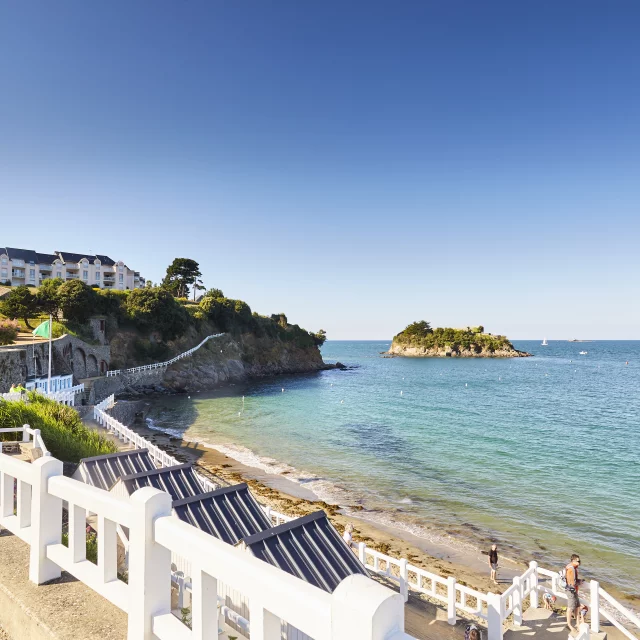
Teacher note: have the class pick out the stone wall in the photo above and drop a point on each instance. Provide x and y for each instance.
(13, 367)
(70, 355)
(104, 386)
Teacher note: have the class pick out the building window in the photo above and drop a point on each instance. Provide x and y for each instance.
(121, 277)
(58, 274)
(97, 275)
(32, 274)
(85, 275)
(5, 260)
(4, 274)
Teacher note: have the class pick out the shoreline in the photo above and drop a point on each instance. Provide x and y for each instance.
(467, 563)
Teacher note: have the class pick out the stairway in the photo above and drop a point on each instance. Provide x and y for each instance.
(542, 624)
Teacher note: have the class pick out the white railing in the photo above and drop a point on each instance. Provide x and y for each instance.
(409, 577)
(66, 397)
(28, 435)
(128, 436)
(160, 365)
(13, 397)
(359, 608)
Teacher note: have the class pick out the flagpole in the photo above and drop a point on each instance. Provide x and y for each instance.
(50, 336)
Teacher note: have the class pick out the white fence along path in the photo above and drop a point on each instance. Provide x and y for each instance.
(358, 609)
(160, 365)
(66, 397)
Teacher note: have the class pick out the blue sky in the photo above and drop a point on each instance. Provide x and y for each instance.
(356, 165)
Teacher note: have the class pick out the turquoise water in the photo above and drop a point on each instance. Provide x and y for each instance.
(541, 454)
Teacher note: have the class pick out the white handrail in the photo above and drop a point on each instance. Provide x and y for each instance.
(274, 596)
(27, 431)
(159, 365)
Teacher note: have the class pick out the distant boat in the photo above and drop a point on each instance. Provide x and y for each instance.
(545, 343)
(583, 353)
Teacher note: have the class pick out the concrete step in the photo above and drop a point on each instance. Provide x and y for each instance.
(543, 624)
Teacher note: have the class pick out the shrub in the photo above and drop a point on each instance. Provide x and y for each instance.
(64, 434)
(77, 301)
(8, 331)
(157, 310)
(420, 334)
(20, 303)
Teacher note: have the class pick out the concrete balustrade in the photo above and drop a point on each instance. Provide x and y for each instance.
(359, 608)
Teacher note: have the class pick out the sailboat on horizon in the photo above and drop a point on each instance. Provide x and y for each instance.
(545, 343)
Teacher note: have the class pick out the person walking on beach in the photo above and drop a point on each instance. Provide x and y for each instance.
(493, 562)
(573, 583)
(348, 535)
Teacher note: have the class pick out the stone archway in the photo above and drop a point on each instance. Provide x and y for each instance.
(79, 363)
(92, 366)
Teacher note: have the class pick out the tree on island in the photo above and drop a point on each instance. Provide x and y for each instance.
(319, 338)
(20, 304)
(418, 329)
(181, 273)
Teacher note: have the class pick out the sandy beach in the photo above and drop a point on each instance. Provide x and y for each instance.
(286, 496)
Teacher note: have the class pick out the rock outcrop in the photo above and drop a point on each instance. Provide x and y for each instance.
(452, 352)
(239, 358)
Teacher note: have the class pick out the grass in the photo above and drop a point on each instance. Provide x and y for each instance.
(64, 434)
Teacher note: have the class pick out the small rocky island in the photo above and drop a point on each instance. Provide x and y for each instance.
(419, 340)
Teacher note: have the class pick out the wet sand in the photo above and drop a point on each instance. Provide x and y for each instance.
(291, 498)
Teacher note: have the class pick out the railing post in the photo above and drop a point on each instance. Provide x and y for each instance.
(204, 616)
(149, 564)
(362, 609)
(25, 433)
(46, 520)
(494, 616)
(362, 548)
(595, 606)
(264, 624)
(533, 596)
(517, 601)
(451, 600)
(404, 579)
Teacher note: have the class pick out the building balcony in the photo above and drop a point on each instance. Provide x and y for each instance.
(18, 273)
(73, 276)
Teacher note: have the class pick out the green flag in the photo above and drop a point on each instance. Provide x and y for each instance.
(42, 330)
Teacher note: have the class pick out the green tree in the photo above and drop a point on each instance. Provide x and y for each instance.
(77, 301)
(20, 303)
(157, 310)
(181, 273)
(47, 299)
(214, 293)
(319, 338)
(197, 286)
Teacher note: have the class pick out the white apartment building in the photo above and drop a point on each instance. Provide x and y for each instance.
(24, 266)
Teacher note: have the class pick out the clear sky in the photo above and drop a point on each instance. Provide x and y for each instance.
(357, 165)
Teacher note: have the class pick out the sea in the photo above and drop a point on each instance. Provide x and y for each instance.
(539, 454)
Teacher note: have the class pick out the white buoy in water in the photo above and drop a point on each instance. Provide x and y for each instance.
(188, 397)
(282, 389)
(401, 393)
(465, 384)
(341, 401)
